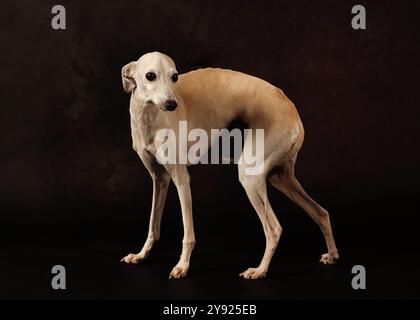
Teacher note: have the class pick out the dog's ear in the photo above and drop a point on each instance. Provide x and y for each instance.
(127, 74)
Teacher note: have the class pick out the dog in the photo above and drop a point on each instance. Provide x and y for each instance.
(213, 98)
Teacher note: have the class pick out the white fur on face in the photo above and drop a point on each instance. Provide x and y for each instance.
(161, 89)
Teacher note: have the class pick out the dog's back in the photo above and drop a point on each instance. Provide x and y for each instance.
(218, 96)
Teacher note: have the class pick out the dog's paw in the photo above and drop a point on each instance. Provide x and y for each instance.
(132, 258)
(329, 258)
(253, 273)
(178, 272)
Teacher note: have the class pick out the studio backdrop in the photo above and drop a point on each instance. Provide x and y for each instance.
(70, 179)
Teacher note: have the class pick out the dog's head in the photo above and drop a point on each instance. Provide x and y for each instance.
(151, 79)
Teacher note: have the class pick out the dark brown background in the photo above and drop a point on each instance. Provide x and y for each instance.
(68, 173)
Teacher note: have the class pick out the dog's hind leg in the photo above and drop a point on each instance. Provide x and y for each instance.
(161, 181)
(285, 180)
(256, 189)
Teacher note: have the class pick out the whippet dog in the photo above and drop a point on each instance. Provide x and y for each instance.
(212, 98)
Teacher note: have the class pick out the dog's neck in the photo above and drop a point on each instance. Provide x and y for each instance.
(143, 117)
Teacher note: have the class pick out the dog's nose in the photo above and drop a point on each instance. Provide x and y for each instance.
(170, 105)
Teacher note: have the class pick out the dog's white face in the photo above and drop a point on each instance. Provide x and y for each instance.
(151, 79)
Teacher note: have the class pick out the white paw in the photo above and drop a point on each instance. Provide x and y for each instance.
(132, 258)
(329, 258)
(178, 272)
(253, 273)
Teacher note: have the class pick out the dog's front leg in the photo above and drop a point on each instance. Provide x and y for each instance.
(161, 181)
(181, 179)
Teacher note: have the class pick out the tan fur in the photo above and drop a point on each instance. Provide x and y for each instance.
(212, 99)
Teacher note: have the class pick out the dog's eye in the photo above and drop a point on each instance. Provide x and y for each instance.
(150, 76)
(175, 77)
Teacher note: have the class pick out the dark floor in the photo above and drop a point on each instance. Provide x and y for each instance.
(91, 255)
